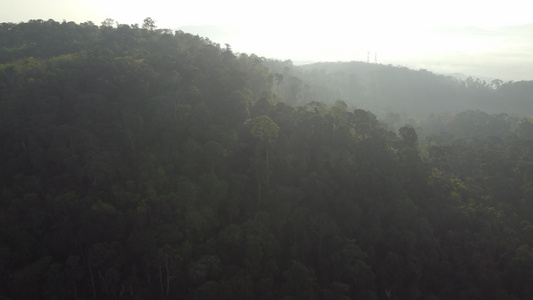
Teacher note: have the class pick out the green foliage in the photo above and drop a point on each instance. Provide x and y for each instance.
(142, 164)
(409, 136)
(264, 129)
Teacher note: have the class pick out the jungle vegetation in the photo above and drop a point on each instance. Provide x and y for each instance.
(141, 163)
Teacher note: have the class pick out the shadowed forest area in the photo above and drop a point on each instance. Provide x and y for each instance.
(141, 163)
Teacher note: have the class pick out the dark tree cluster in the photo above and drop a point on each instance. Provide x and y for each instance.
(139, 163)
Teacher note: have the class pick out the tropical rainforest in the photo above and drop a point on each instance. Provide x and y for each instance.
(142, 163)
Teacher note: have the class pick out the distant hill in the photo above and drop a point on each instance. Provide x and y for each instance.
(386, 89)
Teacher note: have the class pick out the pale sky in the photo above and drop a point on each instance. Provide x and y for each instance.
(481, 38)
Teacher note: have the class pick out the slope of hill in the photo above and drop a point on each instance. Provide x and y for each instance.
(383, 89)
(144, 164)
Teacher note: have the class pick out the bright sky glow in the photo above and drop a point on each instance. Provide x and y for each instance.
(443, 36)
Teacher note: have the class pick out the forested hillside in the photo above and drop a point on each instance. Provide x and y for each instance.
(386, 89)
(139, 163)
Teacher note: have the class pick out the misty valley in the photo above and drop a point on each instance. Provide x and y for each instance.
(145, 163)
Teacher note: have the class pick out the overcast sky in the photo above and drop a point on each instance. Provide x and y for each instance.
(480, 38)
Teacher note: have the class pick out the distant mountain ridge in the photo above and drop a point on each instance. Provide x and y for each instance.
(386, 88)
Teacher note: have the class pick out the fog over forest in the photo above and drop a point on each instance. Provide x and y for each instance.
(141, 162)
(478, 38)
(504, 52)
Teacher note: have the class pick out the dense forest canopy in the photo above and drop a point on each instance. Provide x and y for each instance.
(140, 163)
